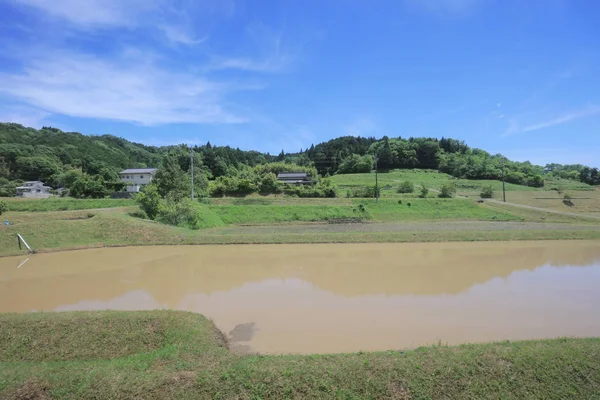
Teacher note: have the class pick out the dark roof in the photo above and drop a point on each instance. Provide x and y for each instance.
(138, 171)
(292, 175)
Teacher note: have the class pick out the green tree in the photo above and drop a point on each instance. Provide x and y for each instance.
(37, 168)
(149, 200)
(424, 192)
(87, 186)
(406, 187)
(170, 179)
(3, 207)
(269, 184)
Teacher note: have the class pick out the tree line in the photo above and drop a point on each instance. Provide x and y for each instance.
(88, 166)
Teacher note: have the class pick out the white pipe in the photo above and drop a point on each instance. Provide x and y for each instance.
(23, 240)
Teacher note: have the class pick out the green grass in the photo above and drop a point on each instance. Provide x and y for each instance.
(83, 229)
(257, 214)
(63, 204)
(389, 182)
(186, 357)
(433, 209)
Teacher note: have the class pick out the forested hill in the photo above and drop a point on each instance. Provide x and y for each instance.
(57, 157)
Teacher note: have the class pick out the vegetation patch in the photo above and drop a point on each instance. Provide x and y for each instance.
(191, 361)
(63, 204)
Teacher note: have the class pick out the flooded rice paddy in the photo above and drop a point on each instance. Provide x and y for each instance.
(330, 297)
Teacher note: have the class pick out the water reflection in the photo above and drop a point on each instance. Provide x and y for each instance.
(308, 298)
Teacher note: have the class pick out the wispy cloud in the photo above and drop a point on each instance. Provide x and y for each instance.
(177, 35)
(139, 77)
(127, 89)
(516, 127)
(276, 64)
(564, 118)
(26, 116)
(90, 14)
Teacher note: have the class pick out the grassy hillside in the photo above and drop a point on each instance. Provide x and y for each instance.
(389, 182)
(167, 354)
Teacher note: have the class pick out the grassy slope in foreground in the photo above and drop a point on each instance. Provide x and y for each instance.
(169, 354)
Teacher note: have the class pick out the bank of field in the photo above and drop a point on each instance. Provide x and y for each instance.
(61, 230)
(63, 204)
(176, 355)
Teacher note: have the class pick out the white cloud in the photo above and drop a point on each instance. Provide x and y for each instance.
(178, 35)
(517, 126)
(25, 116)
(275, 64)
(128, 89)
(564, 118)
(94, 13)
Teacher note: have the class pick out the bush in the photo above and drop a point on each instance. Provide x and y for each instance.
(567, 200)
(424, 192)
(178, 213)
(487, 192)
(137, 214)
(447, 191)
(406, 187)
(536, 181)
(3, 207)
(363, 192)
(149, 200)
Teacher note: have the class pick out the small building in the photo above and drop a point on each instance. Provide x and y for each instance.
(294, 178)
(34, 189)
(136, 178)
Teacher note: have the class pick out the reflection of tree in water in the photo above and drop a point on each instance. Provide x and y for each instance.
(168, 274)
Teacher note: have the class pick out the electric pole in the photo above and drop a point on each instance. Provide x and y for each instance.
(192, 168)
(376, 182)
(503, 185)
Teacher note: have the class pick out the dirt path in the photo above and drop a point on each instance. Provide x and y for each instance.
(542, 209)
(408, 226)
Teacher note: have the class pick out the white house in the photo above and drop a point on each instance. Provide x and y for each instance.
(35, 189)
(136, 178)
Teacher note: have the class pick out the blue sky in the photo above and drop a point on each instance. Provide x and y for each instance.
(510, 76)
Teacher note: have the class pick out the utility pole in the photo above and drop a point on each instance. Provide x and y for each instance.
(376, 182)
(503, 185)
(192, 168)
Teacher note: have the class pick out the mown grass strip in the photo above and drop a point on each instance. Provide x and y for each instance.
(191, 362)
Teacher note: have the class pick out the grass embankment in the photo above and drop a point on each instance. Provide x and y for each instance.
(170, 354)
(63, 204)
(80, 229)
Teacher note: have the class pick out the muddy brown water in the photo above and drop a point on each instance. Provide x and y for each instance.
(331, 297)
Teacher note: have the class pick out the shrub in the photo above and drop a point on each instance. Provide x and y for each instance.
(3, 207)
(487, 192)
(178, 213)
(149, 200)
(424, 192)
(138, 214)
(567, 200)
(447, 191)
(362, 192)
(406, 187)
(536, 181)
